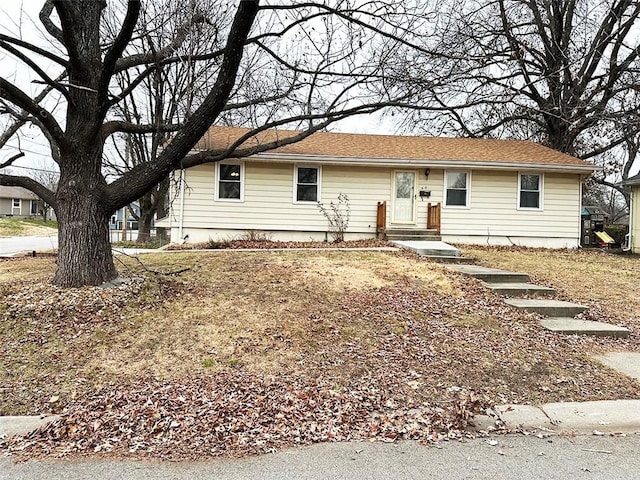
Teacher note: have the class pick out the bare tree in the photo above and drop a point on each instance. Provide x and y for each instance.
(329, 53)
(562, 72)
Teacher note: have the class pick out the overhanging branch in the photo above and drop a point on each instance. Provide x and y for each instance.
(13, 94)
(30, 184)
(11, 160)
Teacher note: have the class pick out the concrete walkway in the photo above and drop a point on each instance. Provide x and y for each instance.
(590, 418)
(560, 314)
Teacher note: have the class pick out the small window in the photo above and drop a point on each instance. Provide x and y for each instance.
(307, 182)
(230, 179)
(457, 189)
(17, 203)
(530, 187)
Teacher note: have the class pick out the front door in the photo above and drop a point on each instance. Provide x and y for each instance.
(404, 197)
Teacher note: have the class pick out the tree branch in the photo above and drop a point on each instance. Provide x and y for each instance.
(16, 96)
(67, 37)
(45, 18)
(34, 66)
(40, 51)
(11, 160)
(163, 53)
(119, 44)
(30, 184)
(137, 181)
(114, 126)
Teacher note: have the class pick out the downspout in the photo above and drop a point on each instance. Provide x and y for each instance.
(631, 214)
(181, 224)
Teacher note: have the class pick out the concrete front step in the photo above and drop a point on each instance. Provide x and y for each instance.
(550, 308)
(412, 231)
(517, 289)
(428, 248)
(426, 238)
(426, 234)
(448, 259)
(574, 326)
(490, 275)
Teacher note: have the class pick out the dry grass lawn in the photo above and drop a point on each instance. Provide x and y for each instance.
(397, 320)
(10, 227)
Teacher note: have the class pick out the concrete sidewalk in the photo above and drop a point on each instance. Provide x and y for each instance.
(586, 418)
(605, 416)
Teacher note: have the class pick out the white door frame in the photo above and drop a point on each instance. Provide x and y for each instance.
(394, 220)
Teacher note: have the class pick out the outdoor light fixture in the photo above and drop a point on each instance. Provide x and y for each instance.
(426, 173)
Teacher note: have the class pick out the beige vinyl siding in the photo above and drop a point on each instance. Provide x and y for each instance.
(5, 206)
(494, 208)
(269, 198)
(635, 219)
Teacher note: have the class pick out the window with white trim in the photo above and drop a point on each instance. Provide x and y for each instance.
(530, 191)
(456, 189)
(306, 184)
(17, 203)
(229, 181)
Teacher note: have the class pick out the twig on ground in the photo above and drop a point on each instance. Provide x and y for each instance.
(150, 270)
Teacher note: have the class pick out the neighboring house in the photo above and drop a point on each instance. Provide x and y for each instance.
(18, 202)
(482, 191)
(634, 213)
(115, 222)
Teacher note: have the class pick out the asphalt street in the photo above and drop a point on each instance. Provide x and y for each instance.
(500, 457)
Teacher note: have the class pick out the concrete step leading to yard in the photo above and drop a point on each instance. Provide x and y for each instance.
(517, 289)
(448, 259)
(428, 248)
(574, 326)
(490, 275)
(624, 362)
(550, 308)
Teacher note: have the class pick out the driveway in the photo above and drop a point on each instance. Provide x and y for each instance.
(12, 245)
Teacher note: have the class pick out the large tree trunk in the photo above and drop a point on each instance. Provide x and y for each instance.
(84, 249)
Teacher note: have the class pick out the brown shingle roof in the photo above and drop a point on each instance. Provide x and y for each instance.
(395, 147)
(17, 192)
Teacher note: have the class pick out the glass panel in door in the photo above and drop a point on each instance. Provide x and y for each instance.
(404, 197)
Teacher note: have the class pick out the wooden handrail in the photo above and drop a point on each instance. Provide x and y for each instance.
(381, 218)
(433, 216)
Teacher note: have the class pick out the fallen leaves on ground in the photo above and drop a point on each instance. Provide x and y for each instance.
(237, 413)
(402, 358)
(271, 244)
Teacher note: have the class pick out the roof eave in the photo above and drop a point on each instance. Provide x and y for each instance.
(400, 162)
